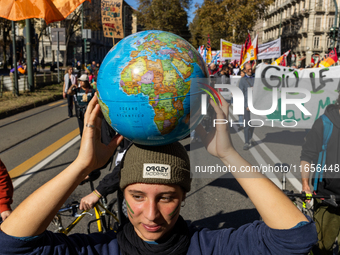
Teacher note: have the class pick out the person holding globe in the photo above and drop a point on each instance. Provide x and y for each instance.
(154, 204)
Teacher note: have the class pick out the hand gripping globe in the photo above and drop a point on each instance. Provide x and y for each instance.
(146, 89)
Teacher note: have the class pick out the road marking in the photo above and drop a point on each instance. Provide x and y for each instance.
(291, 178)
(53, 104)
(257, 156)
(59, 146)
(63, 105)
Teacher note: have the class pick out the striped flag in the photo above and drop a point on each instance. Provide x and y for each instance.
(249, 51)
(208, 50)
(281, 61)
(330, 60)
(204, 56)
(216, 57)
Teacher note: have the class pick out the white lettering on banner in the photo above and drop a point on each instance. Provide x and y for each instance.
(302, 94)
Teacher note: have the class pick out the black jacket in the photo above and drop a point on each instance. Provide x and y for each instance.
(110, 183)
(312, 146)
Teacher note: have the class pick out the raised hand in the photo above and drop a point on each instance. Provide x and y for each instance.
(93, 153)
(218, 142)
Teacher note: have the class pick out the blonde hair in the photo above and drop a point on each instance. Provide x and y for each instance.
(68, 68)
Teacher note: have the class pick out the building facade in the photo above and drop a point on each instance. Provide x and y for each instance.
(44, 50)
(303, 25)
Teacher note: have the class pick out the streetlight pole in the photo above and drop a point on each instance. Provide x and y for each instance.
(14, 59)
(29, 59)
(82, 28)
(124, 19)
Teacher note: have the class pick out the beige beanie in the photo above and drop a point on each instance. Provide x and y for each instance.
(166, 164)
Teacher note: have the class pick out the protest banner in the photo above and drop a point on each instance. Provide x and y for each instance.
(270, 93)
(270, 49)
(112, 18)
(267, 50)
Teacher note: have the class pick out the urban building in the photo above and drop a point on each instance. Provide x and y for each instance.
(44, 50)
(303, 26)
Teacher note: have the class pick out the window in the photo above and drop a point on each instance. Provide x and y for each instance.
(318, 23)
(329, 41)
(48, 52)
(316, 42)
(331, 22)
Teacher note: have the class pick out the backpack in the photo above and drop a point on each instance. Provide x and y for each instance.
(327, 131)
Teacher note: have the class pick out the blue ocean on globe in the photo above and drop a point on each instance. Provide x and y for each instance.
(146, 89)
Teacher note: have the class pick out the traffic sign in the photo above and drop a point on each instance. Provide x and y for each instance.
(62, 36)
(86, 34)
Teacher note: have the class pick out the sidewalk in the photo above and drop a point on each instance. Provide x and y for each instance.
(11, 105)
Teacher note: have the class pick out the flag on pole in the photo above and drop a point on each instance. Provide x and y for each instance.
(201, 50)
(208, 50)
(281, 61)
(248, 51)
(242, 52)
(216, 57)
(204, 56)
(254, 49)
(330, 60)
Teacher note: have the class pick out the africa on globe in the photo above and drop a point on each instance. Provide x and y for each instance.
(145, 87)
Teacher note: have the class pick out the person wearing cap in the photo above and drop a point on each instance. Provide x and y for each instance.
(82, 95)
(155, 181)
(69, 80)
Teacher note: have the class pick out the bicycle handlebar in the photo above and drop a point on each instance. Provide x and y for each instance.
(327, 199)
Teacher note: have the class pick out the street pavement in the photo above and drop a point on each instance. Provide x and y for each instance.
(43, 141)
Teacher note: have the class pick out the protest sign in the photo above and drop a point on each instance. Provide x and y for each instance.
(112, 18)
(270, 89)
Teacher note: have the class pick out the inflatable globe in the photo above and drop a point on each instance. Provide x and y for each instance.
(145, 86)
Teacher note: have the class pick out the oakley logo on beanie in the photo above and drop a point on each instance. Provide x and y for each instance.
(156, 171)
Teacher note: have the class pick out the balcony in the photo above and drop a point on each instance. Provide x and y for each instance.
(331, 8)
(317, 48)
(318, 29)
(319, 8)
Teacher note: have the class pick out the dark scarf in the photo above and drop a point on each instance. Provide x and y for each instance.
(178, 243)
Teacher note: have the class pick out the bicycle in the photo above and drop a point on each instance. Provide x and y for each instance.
(105, 213)
(330, 200)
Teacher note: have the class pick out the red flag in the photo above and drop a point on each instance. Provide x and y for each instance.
(330, 60)
(247, 43)
(242, 51)
(312, 61)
